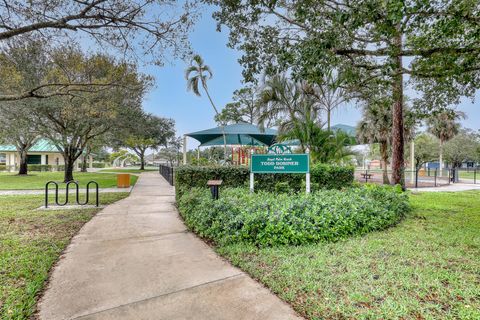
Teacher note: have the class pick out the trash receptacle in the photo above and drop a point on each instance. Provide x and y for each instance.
(421, 173)
(123, 180)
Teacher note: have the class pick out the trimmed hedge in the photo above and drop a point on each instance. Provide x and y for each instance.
(322, 176)
(269, 219)
(36, 168)
(45, 167)
(39, 167)
(98, 165)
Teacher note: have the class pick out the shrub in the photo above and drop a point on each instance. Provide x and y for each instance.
(3, 167)
(268, 219)
(322, 176)
(98, 165)
(187, 177)
(39, 167)
(331, 177)
(45, 167)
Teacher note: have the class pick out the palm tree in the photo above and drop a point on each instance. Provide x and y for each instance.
(327, 93)
(325, 146)
(197, 74)
(376, 127)
(280, 99)
(444, 126)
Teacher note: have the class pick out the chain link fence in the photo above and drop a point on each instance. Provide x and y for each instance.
(417, 179)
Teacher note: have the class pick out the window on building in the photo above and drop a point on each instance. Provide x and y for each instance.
(34, 159)
(3, 158)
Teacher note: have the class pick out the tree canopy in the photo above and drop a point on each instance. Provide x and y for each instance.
(147, 30)
(72, 121)
(146, 131)
(147, 26)
(374, 43)
(29, 71)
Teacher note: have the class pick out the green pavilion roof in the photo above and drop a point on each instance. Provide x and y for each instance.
(42, 145)
(351, 131)
(236, 134)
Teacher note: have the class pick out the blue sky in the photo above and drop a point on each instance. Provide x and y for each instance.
(169, 97)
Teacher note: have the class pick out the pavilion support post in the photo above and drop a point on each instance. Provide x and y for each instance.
(198, 153)
(184, 149)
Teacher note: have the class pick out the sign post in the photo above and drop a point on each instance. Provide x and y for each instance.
(251, 174)
(280, 163)
(307, 178)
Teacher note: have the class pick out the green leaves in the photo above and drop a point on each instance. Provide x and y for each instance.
(322, 176)
(270, 219)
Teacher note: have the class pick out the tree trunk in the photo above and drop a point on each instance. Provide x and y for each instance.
(85, 159)
(142, 160)
(384, 154)
(440, 159)
(69, 166)
(397, 113)
(23, 162)
(329, 113)
(84, 164)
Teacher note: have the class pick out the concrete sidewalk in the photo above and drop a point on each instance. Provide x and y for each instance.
(136, 260)
(454, 187)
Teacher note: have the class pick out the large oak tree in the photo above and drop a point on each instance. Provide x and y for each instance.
(432, 44)
(148, 30)
(73, 122)
(145, 131)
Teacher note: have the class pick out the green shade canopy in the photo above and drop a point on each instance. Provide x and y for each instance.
(236, 134)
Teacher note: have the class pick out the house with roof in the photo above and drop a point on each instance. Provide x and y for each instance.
(43, 152)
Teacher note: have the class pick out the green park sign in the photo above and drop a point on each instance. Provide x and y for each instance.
(280, 163)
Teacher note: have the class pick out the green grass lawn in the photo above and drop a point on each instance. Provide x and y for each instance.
(128, 170)
(469, 175)
(428, 267)
(37, 180)
(30, 243)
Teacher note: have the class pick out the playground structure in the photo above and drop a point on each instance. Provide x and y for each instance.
(243, 137)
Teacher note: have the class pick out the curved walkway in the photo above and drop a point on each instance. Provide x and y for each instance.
(136, 260)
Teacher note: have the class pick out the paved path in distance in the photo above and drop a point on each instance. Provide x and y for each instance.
(454, 187)
(136, 260)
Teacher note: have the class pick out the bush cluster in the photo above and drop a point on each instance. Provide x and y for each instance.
(322, 176)
(269, 219)
(98, 164)
(44, 167)
(49, 167)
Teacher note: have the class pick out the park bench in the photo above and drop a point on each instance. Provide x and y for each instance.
(366, 176)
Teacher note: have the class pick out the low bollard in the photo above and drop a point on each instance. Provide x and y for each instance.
(214, 186)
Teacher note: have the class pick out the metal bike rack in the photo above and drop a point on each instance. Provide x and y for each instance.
(77, 193)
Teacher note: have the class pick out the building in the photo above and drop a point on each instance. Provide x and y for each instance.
(43, 152)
